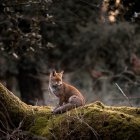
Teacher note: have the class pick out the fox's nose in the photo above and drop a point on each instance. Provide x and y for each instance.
(59, 83)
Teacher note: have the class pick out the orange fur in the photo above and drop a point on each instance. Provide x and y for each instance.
(69, 96)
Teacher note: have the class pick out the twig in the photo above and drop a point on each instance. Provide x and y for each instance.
(123, 94)
(82, 121)
(91, 128)
(55, 138)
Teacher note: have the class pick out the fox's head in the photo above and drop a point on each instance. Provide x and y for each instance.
(56, 78)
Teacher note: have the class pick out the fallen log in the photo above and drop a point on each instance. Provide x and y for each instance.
(93, 121)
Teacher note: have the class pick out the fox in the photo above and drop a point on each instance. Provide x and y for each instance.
(69, 96)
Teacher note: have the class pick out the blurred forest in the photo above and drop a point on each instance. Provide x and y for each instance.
(95, 42)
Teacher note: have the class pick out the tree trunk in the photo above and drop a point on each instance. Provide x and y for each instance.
(94, 121)
(31, 91)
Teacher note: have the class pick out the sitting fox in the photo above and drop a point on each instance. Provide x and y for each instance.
(69, 96)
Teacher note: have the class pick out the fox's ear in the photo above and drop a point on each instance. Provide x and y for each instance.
(53, 73)
(62, 72)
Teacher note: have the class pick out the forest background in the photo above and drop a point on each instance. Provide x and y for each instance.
(96, 43)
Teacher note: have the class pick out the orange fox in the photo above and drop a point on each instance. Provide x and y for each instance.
(69, 96)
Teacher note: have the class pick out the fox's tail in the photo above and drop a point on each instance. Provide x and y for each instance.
(64, 108)
(74, 101)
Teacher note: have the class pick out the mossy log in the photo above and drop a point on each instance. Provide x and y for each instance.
(93, 121)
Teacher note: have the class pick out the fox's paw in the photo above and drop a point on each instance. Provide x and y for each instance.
(54, 110)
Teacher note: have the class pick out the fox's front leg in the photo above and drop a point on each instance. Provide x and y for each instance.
(61, 101)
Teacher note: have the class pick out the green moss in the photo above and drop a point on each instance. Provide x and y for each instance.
(85, 122)
(12, 106)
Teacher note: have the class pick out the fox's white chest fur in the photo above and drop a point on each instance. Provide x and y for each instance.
(54, 90)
